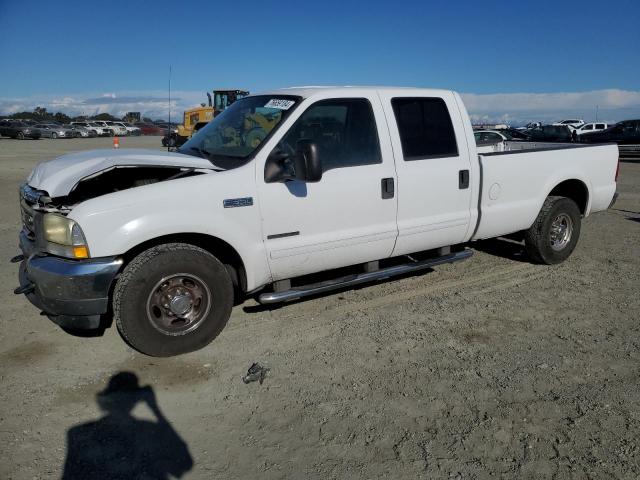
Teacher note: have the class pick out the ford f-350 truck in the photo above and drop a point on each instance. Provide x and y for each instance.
(287, 194)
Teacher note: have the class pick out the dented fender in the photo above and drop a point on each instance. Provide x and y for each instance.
(115, 223)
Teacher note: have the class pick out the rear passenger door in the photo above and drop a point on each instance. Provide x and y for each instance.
(349, 216)
(433, 168)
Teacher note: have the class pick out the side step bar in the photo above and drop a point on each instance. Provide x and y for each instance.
(351, 280)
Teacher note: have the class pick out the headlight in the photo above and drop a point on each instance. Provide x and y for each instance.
(64, 237)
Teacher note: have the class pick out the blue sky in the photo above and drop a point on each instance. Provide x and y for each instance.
(112, 56)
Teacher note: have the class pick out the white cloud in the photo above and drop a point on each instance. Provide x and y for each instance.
(152, 104)
(513, 108)
(612, 105)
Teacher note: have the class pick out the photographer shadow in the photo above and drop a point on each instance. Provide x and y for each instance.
(118, 445)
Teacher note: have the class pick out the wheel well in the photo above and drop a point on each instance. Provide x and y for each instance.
(221, 249)
(576, 190)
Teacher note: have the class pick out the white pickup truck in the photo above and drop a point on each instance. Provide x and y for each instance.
(287, 194)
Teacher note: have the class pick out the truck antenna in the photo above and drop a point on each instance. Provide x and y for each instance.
(169, 129)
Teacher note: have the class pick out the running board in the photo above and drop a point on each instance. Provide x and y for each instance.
(351, 280)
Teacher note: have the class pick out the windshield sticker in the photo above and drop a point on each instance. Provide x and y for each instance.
(279, 103)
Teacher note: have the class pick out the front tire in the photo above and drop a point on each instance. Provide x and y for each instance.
(554, 235)
(54, 135)
(172, 299)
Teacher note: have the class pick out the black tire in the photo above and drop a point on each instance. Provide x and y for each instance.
(54, 135)
(20, 136)
(135, 286)
(538, 239)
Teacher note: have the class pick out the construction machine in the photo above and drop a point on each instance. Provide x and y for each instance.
(202, 115)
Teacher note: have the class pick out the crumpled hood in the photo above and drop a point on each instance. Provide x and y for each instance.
(57, 177)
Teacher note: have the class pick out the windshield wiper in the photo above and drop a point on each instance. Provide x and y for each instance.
(201, 151)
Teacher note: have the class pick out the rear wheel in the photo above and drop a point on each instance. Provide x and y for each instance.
(554, 235)
(171, 299)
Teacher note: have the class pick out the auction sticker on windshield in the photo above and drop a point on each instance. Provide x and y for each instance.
(279, 103)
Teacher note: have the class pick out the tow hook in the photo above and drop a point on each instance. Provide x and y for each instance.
(17, 259)
(28, 288)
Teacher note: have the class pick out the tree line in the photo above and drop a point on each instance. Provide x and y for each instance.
(40, 114)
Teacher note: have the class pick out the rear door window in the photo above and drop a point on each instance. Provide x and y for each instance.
(425, 128)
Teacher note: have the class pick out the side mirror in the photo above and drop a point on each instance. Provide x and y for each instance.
(303, 165)
(308, 166)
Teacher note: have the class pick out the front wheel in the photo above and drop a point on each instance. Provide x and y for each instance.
(554, 235)
(20, 136)
(172, 299)
(54, 135)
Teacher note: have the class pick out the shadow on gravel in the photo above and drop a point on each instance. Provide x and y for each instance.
(634, 219)
(119, 445)
(503, 247)
(626, 211)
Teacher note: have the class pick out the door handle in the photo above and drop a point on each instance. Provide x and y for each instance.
(387, 187)
(463, 179)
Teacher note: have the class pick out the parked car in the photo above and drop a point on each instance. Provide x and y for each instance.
(571, 123)
(19, 130)
(550, 133)
(131, 129)
(307, 180)
(488, 141)
(99, 130)
(118, 128)
(150, 129)
(622, 133)
(590, 128)
(108, 129)
(529, 126)
(51, 130)
(81, 131)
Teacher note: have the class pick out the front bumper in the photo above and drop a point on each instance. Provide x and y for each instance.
(72, 293)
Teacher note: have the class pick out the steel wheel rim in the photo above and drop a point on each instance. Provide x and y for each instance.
(178, 304)
(561, 231)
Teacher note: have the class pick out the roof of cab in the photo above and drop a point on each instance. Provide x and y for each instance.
(311, 90)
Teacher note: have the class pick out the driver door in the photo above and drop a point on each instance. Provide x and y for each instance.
(347, 217)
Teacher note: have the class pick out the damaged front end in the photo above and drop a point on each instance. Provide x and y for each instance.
(122, 177)
(57, 273)
(58, 277)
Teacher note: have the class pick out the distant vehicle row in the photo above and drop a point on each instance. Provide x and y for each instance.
(623, 133)
(23, 130)
(109, 128)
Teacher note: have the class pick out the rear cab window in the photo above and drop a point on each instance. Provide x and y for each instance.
(425, 128)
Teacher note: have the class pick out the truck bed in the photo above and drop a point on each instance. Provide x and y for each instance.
(514, 184)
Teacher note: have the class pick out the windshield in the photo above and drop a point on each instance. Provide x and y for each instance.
(237, 133)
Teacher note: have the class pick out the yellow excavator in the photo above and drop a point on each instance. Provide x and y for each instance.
(197, 117)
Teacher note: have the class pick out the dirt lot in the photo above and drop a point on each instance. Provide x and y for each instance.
(490, 368)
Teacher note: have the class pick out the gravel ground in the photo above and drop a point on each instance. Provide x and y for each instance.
(489, 368)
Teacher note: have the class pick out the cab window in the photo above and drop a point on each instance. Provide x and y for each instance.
(425, 128)
(343, 129)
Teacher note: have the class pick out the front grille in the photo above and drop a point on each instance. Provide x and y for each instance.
(28, 197)
(27, 219)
